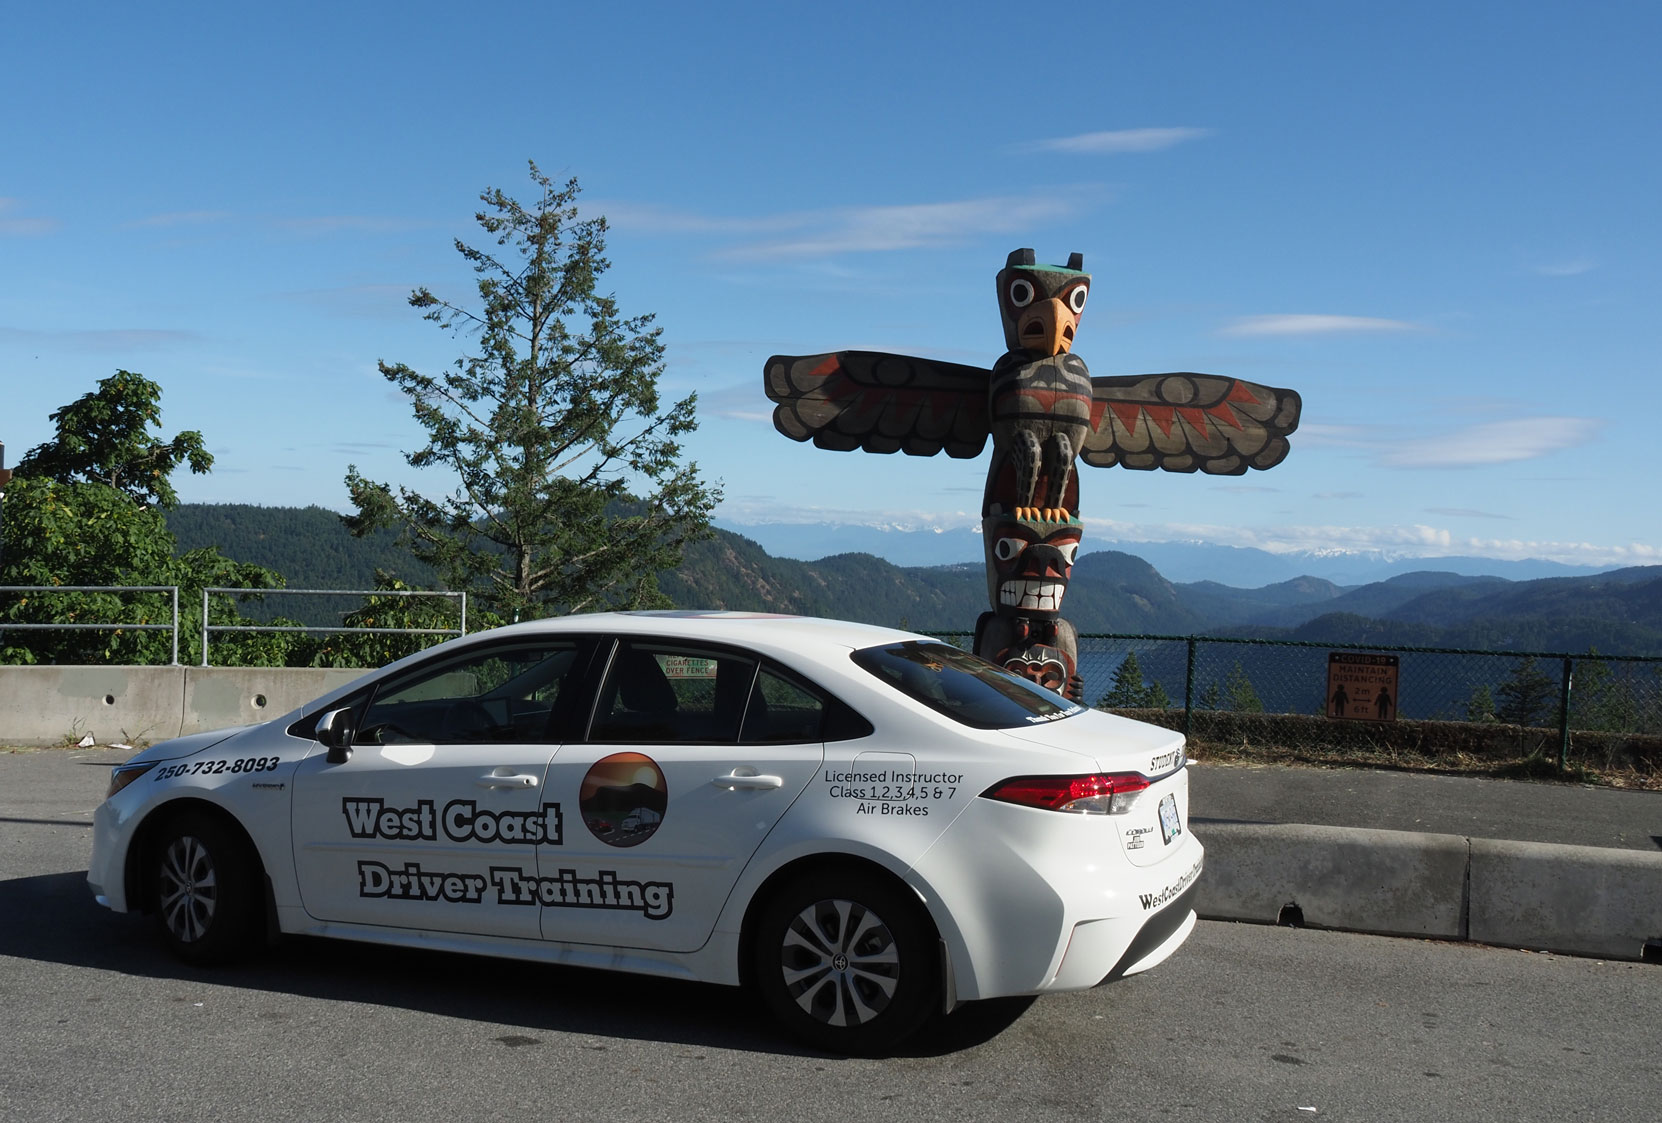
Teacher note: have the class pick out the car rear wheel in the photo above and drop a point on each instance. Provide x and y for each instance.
(846, 963)
(206, 890)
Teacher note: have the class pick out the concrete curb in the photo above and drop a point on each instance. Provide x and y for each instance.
(1585, 900)
(1578, 900)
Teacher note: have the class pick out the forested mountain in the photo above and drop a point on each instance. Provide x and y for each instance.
(308, 545)
(1618, 612)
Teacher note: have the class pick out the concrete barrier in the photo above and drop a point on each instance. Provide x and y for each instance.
(1584, 900)
(1391, 882)
(142, 705)
(216, 697)
(1577, 900)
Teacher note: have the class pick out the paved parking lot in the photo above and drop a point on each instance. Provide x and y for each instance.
(1246, 1022)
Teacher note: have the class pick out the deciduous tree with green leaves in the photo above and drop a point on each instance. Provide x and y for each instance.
(104, 438)
(571, 492)
(86, 509)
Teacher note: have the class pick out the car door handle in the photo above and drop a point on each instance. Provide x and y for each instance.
(502, 778)
(736, 781)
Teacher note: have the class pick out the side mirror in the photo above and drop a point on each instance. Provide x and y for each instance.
(334, 732)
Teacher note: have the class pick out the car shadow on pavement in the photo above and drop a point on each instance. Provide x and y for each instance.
(53, 918)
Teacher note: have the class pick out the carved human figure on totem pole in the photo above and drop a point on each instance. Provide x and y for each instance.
(1043, 411)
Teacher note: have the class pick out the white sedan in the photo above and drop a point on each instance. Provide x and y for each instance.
(866, 826)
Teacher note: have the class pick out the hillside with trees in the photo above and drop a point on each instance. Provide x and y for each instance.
(1110, 591)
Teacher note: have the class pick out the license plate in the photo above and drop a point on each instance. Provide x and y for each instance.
(1170, 827)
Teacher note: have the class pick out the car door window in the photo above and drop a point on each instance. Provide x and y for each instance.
(661, 693)
(495, 695)
(781, 711)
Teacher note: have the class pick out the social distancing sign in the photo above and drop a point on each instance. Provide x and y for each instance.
(1361, 686)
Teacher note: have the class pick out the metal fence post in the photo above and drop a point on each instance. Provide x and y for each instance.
(1564, 717)
(1189, 689)
(204, 627)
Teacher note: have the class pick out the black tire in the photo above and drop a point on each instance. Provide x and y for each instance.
(846, 963)
(205, 890)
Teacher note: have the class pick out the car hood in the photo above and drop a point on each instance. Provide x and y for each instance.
(1116, 743)
(189, 744)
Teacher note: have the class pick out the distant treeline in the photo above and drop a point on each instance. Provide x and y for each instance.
(1111, 592)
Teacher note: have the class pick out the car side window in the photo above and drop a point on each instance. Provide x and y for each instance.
(662, 693)
(782, 712)
(495, 695)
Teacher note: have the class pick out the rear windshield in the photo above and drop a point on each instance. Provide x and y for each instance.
(962, 686)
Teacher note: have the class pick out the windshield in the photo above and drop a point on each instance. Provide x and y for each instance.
(964, 687)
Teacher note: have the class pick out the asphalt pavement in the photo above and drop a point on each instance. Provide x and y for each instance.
(1473, 807)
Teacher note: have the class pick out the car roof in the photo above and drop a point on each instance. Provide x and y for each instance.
(760, 630)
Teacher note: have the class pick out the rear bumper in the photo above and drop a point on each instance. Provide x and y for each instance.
(1042, 902)
(1163, 934)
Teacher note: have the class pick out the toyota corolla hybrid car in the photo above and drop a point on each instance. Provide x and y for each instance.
(866, 826)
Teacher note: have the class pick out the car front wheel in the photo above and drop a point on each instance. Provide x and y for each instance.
(845, 963)
(206, 890)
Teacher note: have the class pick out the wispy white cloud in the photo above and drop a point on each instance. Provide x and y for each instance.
(752, 510)
(1116, 141)
(1493, 442)
(913, 226)
(380, 302)
(349, 223)
(737, 403)
(1315, 434)
(1464, 513)
(1411, 541)
(1312, 324)
(117, 339)
(1416, 540)
(873, 229)
(1571, 268)
(648, 218)
(17, 226)
(181, 218)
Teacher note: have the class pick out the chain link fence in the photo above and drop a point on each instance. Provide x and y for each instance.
(1245, 696)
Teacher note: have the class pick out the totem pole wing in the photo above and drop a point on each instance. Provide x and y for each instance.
(880, 403)
(1188, 422)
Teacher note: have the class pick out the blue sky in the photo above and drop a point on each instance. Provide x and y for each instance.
(1436, 222)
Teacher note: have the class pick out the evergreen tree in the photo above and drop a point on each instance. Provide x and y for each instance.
(1129, 690)
(1239, 693)
(570, 491)
(1481, 705)
(1527, 697)
(1211, 697)
(1600, 699)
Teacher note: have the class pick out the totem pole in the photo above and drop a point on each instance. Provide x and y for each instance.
(1043, 410)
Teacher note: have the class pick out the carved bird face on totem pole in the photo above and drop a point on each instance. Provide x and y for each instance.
(1041, 304)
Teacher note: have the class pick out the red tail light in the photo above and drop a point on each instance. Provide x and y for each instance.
(1105, 793)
